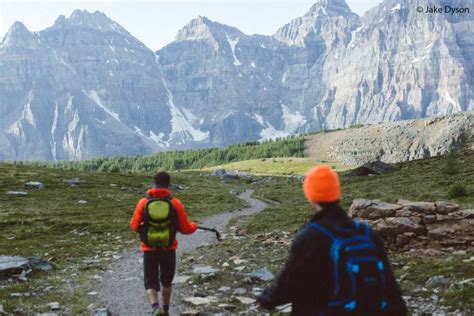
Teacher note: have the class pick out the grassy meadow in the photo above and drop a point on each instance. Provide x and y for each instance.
(53, 225)
(265, 235)
(275, 166)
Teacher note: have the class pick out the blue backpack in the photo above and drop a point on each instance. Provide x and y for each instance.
(359, 276)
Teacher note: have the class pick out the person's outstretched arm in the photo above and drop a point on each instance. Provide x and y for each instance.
(395, 305)
(289, 284)
(137, 217)
(278, 293)
(185, 226)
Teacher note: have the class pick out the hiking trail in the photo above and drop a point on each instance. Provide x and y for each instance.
(121, 289)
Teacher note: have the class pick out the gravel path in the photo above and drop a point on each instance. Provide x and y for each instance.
(121, 289)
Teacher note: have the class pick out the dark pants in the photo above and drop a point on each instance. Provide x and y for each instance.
(159, 266)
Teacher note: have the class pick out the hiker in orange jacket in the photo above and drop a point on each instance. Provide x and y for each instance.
(159, 264)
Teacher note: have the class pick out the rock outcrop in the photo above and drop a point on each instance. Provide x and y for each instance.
(418, 224)
(394, 142)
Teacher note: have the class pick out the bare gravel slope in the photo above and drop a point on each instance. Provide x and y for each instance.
(392, 142)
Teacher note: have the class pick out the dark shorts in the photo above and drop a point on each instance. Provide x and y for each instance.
(158, 267)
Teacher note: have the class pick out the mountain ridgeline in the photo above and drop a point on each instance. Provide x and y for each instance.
(85, 87)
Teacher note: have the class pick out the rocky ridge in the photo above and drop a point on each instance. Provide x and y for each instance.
(394, 142)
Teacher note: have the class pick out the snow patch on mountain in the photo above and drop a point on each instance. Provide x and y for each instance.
(232, 44)
(292, 121)
(285, 76)
(271, 132)
(27, 113)
(71, 144)
(192, 118)
(94, 96)
(353, 35)
(179, 123)
(68, 66)
(395, 8)
(158, 139)
(53, 132)
(139, 131)
(26, 117)
(259, 119)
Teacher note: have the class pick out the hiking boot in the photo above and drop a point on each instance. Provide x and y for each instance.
(157, 311)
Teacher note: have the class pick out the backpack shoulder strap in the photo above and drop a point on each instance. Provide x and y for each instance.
(170, 199)
(323, 230)
(363, 227)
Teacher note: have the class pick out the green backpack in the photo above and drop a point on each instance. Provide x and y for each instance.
(160, 223)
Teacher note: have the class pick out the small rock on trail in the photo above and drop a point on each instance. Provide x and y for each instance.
(180, 279)
(245, 300)
(205, 270)
(261, 275)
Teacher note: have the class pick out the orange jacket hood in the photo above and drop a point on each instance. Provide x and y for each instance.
(159, 193)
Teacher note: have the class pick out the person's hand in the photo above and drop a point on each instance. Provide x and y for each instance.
(264, 301)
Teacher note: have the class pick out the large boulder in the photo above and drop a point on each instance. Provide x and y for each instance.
(372, 209)
(391, 228)
(452, 229)
(219, 172)
(10, 265)
(373, 168)
(13, 264)
(418, 207)
(443, 207)
(406, 224)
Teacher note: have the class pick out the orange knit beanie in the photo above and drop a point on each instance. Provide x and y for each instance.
(322, 185)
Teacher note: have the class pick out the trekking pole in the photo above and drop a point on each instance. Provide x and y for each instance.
(218, 235)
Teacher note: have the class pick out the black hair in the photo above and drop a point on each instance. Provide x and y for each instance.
(162, 179)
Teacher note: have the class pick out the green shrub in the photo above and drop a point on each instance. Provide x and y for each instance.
(450, 166)
(457, 190)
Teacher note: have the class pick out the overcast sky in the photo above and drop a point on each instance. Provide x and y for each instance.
(156, 22)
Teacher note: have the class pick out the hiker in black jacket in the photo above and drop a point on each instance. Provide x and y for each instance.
(337, 266)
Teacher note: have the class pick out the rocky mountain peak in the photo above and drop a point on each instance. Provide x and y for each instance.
(198, 28)
(19, 35)
(203, 20)
(325, 19)
(204, 28)
(330, 7)
(83, 16)
(97, 21)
